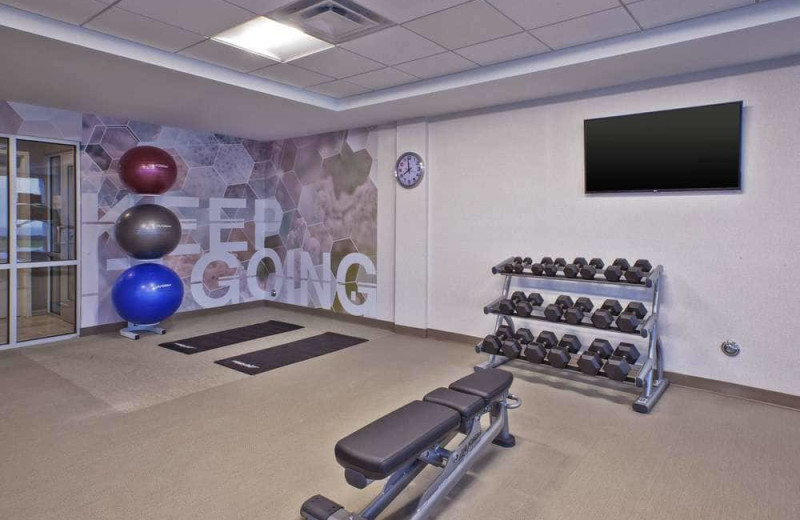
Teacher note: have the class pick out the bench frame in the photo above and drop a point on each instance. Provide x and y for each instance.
(454, 464)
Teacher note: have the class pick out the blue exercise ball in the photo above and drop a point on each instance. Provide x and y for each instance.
(146, 294)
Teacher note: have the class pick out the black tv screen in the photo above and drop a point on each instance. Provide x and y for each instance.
(683, 149)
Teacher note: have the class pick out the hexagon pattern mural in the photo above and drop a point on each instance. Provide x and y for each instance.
(318, 204)
(302, 211)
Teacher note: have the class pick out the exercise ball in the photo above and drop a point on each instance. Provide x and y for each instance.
(148, 231)
(148, 170)
(146, 294)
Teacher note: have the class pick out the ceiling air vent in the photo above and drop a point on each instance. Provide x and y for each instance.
(334, 21)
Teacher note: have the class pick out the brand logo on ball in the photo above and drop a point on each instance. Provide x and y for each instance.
(155, 166)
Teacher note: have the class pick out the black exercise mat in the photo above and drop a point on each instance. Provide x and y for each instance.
(271, 358)
(224, 338)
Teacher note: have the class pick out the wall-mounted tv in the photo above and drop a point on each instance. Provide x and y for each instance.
(694, 148)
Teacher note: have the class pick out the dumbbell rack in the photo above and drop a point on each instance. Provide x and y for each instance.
(646, 373)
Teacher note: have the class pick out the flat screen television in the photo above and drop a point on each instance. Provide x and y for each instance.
(694, 148)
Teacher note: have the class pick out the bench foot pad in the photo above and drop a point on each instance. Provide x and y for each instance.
(507, 442)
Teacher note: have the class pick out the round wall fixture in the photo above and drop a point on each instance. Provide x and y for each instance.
(409, 170)
(730, 348)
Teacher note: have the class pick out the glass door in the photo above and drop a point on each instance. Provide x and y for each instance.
(38, 241)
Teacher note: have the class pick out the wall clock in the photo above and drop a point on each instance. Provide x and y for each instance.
(409, 170)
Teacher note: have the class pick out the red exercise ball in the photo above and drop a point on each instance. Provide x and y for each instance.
(148, 170)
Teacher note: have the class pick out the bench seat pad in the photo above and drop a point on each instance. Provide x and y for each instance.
(487, 384)
(465, 404)
(380, 448)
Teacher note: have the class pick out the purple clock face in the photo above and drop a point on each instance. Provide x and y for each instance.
(409, 170)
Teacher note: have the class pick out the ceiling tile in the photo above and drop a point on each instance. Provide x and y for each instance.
(208, 17)
(70, 11)
(338, 89)
(291, 75)
(382, 78)
(466, 24)
(537, 13)
(598, 26)
(141, 29)
(652, 13)
(260, 6)
(405, 10)
(394, 45)
(338, 63)
(439, 65)
(226, 56)
(504, 49)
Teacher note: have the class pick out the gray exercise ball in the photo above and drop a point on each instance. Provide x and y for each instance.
(148, 231)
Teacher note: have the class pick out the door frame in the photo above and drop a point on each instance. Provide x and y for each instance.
(13, 267)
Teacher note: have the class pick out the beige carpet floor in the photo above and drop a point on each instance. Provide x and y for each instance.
(106, 428)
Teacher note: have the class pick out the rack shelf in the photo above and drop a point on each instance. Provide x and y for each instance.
(642, 331)
(648, 282)
(636, 375)
(646, 373)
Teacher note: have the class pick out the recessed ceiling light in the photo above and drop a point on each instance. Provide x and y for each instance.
(272, 39)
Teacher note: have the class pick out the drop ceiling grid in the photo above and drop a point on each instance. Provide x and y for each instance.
(429, 30)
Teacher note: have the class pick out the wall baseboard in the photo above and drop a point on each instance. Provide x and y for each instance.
(326, 313)
(411, 331)
(117, 325)
(734, 390)
(698, 383)
(443, 335)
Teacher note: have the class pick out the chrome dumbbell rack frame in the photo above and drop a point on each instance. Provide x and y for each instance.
(646, 373)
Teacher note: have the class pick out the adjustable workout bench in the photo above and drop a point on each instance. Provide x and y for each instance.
(399, 445)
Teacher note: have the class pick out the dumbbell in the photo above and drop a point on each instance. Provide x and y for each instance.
(574, 315)
(508, 305)
(515, 265)
(512, 346)
(614, 272)
(591, 361)
(561, 354)
(552, 269)
(588, 271)
(604, 316)
(525, 336)
(524, 307)
(639, 270)
(555, 311)
(628, 320)
(524, 263)
(504, 331)
(538, 267)
(536, 351)
(572, 270)
(493, 343)
(619, 364)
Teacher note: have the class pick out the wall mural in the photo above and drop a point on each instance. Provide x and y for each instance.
(292, 220)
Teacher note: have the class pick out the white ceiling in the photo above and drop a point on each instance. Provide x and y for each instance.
(482, 32)
(440, 56)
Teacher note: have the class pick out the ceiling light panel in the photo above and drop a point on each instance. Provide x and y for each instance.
(272, 39)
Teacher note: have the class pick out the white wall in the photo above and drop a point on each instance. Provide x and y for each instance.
(411, 229)
(511, 182)
(385, 157)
